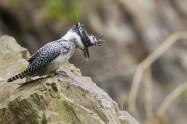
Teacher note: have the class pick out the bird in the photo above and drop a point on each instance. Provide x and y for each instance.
(54, 54)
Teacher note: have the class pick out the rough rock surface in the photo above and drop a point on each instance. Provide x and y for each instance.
(70, 99)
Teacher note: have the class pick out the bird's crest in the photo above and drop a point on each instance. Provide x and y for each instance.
(86, 38)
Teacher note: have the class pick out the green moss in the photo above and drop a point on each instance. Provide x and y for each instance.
(24, 110)
(73, 115)
(59, 106)
(44, 120)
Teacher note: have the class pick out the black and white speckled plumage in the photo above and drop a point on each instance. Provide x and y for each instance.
(51, 56)
(44, 60)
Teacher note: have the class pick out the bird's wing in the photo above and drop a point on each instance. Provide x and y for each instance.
(46, 54)
(30, 60)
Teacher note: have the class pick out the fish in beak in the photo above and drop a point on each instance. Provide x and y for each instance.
(88, 40)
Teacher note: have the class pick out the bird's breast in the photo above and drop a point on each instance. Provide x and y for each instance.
(60, 60)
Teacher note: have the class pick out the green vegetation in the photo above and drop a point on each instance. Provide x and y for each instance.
(15, 3)
(62, 10)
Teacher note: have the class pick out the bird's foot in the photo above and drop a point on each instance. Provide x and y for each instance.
(63, 73)
(28, 79)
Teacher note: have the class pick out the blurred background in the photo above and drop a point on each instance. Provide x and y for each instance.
(132, 29)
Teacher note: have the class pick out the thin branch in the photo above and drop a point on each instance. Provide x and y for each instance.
(147, 62)
(163, 48)
(170, 98)
(148, 93)
(134, 89)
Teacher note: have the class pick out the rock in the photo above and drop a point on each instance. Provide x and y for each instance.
(62, 99)
(126, 118)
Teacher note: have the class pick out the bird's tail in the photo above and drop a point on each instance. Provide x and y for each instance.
(20, 75)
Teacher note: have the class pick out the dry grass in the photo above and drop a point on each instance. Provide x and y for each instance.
(143, 69)
(170, 98)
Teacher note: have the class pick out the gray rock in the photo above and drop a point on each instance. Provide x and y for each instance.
(71, 99)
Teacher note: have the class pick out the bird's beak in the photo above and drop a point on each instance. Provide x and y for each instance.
(86, 53)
